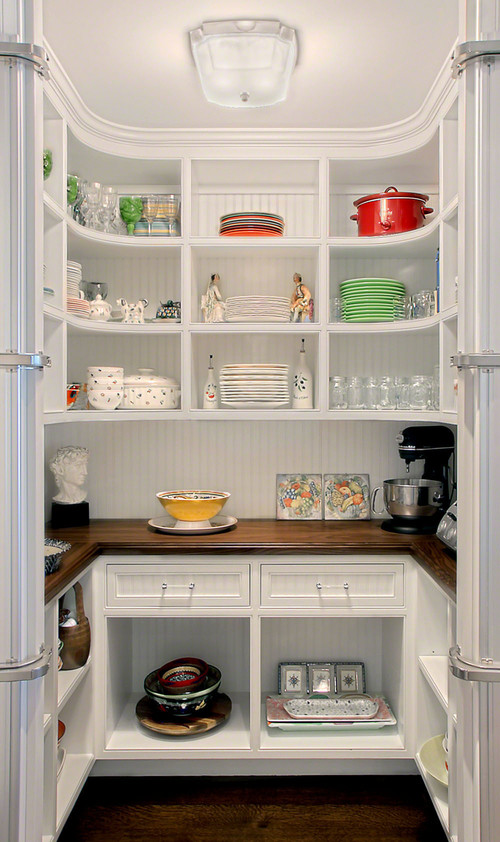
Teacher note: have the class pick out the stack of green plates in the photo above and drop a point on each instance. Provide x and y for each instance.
(371, 299)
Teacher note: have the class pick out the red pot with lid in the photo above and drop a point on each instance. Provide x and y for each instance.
(390, 212)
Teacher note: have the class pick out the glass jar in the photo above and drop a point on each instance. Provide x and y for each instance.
(337, 392)
(387, 393)
(372, 393)
(435, 388)
(356, 393)
(402, 387)
(420, 391)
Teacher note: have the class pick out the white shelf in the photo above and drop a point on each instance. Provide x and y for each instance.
(450, 210)
(435, 670)
(78, 325)
(232, 739)
(67, 682)
(73, 776)
(400, 245)
(438, 794)
(383, 742)
(401, 326)
(255, 327)
(109, 241)
(55, 210)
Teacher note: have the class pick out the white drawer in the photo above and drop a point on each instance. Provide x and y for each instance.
(169, 585)
(339, 585)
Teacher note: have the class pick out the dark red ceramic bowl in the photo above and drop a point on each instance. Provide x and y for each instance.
(184, 675)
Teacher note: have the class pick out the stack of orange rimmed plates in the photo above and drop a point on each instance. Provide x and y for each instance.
(251, 224)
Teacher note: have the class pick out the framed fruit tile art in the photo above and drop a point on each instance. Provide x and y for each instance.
(347, 496)
(299, 497)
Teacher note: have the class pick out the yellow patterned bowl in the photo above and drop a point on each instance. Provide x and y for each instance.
(193, 506)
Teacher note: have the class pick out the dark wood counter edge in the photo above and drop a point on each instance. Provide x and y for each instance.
(257, 537)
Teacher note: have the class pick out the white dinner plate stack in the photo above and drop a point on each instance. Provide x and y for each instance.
(257, 308)
(258, 386)
(73, 278)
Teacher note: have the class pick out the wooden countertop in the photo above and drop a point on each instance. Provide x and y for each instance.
(263, 537)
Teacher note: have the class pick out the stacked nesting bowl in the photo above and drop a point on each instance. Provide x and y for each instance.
(104, 387)
(183, 688)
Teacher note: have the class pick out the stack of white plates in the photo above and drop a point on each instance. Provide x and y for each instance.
(73, 278)
(257, 308)
(262, 385)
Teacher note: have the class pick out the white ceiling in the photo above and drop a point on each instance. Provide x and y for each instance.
(361, 63)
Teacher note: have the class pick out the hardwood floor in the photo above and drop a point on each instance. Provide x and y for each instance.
(273, 809)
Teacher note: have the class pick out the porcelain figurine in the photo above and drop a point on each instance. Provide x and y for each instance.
(69, 467)
(301, 305)
(100, 310)
(302, 383)
(133, 314)
(212, 305)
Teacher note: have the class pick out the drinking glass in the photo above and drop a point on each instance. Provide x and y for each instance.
(149, 209)
(336, 310)
(402, 387)
(93, 202)
(356, 393)
(387, 393)
(423, 304)
(109, 199)
(420, 391)
(435, 388)
(402, 307)
(372, 393)
(337, 392)
(169, 207)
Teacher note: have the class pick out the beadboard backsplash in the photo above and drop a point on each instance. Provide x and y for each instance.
(129, 462)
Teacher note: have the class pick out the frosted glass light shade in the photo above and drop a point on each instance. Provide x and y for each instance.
(244, 63)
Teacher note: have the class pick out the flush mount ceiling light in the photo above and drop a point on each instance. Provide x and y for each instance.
(244, 63)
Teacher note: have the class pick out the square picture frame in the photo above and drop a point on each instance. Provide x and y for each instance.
(350, 677)
(292, 679)
(346, 496)
(321, 677)
(299, 497)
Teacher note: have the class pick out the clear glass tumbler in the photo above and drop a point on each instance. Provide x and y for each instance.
(338, 392)
(423, 304)
(356, 393)
(336, 310)
(420, 391)
(372, 393)
(387, 393)
(402, 386)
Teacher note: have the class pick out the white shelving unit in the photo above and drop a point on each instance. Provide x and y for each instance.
(314, 192)
(68, 697)
(313, 187)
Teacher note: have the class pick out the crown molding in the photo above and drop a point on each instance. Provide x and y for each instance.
(384, 141)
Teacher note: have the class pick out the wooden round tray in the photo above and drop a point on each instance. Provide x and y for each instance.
(150, 717)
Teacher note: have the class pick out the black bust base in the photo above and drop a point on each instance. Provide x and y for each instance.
(70, 514)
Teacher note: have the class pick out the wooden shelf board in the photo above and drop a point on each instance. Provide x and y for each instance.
(435, 670)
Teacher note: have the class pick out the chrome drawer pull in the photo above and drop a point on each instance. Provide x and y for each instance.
(321, 587)
(178, 587)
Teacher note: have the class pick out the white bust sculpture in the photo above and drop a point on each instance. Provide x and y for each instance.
(69, 467)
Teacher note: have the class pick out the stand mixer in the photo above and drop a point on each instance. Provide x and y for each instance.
(417, 505)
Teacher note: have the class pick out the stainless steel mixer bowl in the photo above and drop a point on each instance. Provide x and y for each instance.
(410, 498)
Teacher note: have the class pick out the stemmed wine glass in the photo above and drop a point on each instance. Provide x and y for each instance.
(149, 209)
(93, 200)
(109, 200)
(171, 205)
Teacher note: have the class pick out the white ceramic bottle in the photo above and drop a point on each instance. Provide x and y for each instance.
(302, 383)
(210, 396)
